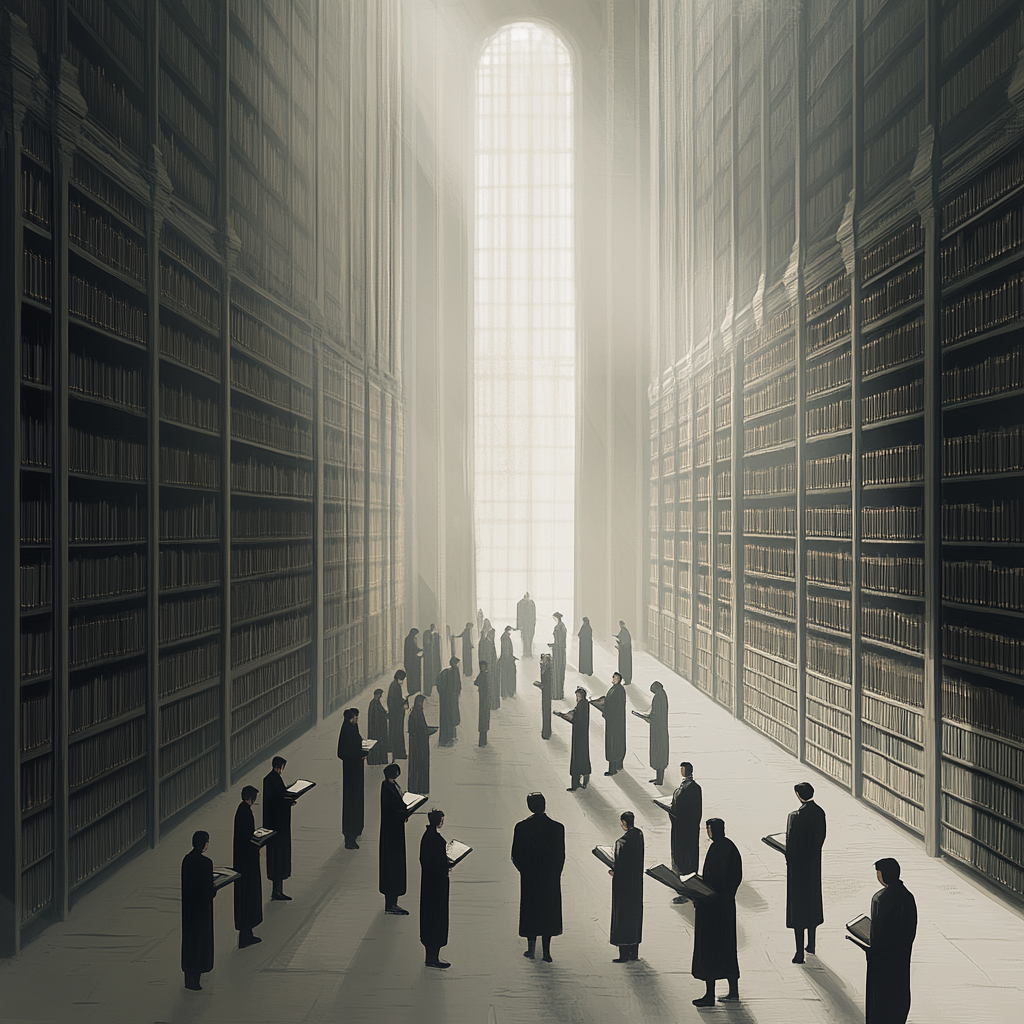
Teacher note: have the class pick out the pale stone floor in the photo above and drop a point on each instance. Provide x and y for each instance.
(333, 956)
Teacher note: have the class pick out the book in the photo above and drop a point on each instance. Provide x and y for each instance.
(413, 801)
(605, 854)
(860, 929)
(537, 683)
(368, 745)
(665, 805)
(224, 876)
(300, 786)
(691, 886)
(457, 851)
(565, 715)
(640, 714)
(598, 703)
(776, 841)
(262, 836)
(431, 729)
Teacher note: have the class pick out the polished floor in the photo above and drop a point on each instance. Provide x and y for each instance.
(332, 955)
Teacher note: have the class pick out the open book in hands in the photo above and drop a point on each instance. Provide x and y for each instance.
(413, 801)
(300, 786)
(262, 836)
(457, 852)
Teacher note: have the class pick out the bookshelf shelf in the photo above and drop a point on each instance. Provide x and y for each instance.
(974, 339)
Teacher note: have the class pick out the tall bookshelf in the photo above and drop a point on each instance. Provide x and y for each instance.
(877, 462)
(190, 402)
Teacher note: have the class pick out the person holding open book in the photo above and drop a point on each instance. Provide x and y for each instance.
(413, 661)
(197, 894)
(687, 809)
(579, 754)
(538, 853)
(714, 925)
(397, 706)
(391, 856)
(434, 887)
(613, 710)
(628, 891)
(805, 835)
(419, 747)
(377, 729)
(277, 814)
(353, 757)
(245, 859)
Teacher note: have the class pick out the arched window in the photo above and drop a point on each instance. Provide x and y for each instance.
(525, 325)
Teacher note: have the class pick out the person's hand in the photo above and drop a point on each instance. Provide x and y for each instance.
(611, 872)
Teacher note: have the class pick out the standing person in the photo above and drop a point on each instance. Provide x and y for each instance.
(466, 636)
(479, 621)
(526, 622)
(448, 685)
(397, 705)
(658, 719)
(391, 856)
(624, 642)
(558, 656)
(579, 755)
(687, 811)
(614, 712)
(714, 926)
(805, 835)
(434, 886)
(893, 929)
(377, 729)
(487, 652)
(507, 665)
(545, 696)
(628, 891)
(413, 661)
(538, 853)
(353, 757)
(483, 685)
(419, 747)
(245, 859)
(277, 814)
(431, 658)
(197, 893)
(586, 637)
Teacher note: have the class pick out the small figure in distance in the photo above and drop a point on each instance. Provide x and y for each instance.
(579, 755)
(197, 893)
(805, 835)
(628, 891)
(526, 622)
(624, 643)
(353, 757)
(658, 721)
(614, 712)
(586, 638)
(434, 887)
(687, 810)
(467, 648)
(538, 853)
(507, 665)
(397, 707)
(277, 814)
(559, 634)
(391, 863)
(419, 747)
(714, 926)
(483, 685)
(449, 685)
(413, 661)
(245, 859)
(377, 729)
(545, 696)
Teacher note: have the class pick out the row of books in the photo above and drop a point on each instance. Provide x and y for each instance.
(723, 484)
(254, 336)
(906, 782)
(982, 648)
(186, 117)
(116, 35)
(770, 360)
(778, 392)
(898, 84)
(262, 523)
(985, 828)
(894, 522)
(979, 788)
(36, 579)
(253, 561)
(833, 567)
(191, 182)
(105, 309)
(835, 521)
(896, 465)
(894, 748)
(828, 658)
(36, 651)
(987, 451)
(36, 838)
(776, 521)
(106, 456)
(36, 441)
(966, 253)
(36, 196)
(902, 629)
(773, 561)
(106, 635)
(991, 376)
(95, 847)
(984, 583)
(36, 782)
(193, 351)
(192, 745)
(36, 719)
(35, 521)
(89, 178)
(830, 612)
(121, 384)
(177, 47)
(104, 696)
(892, 718)
(89, 578)
(999, 522)
(884, 798)
(893, 677)
(254, 476)
(883, 255)
(183, 716)
(185, 406)
(829, 418)
(97, 754)
(985, 190)
(198, 613)
(273, 431)
(88, 804)
(188, 468)
(826, 332)
(36, 360)
(982, 707)
(37, 272)
(895, 574)
(244, 716)
(991, 864)
(829, 473)
(109, 103)
(985, 752)
(254, 380)
(900, 345)
(901, 400)
(769, 480)
(245, 68)
(983, 310)
(261, 733)
(896, 24)
(188, 567)
(889, 149)
(190, 294)
(196, 521)
(267, 597)
(260, 639)
(180, 669)
(769, 638)
(106, 240)
(186, 785)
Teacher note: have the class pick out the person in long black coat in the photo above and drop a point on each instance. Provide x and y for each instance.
(614, 712)
(397, 706)
(391, 854)
(197, 893)
(277, 814)
(483, 685)
(658, 720)
(431, 658)
(714, 925)
(466, 636)
(628, 891)
(353, 757)
(805, 835)
(579, 753)
(486, 651)
(893, 929)
(419, 747)
(559, 635)
(545, 696)
(526, 623)
(507, 665)
(413, 661)
(434, 886)
(538, 853)
(245, 859)
(449, 683)
(624, 642)
(377, 729)
(586, 638)
(685, 816)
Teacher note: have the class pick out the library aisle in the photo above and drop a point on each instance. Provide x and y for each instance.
(332, 955)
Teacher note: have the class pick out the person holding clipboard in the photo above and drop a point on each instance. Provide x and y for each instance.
(714, 926)
(277, 815)
(394, 813)
(197, 892)
(245, 851)
(436, 861)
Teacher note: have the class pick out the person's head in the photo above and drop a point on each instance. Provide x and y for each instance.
(622, 622)
(888, 870)
(508, 629)
(616, 678)
(656, 687)
(249, 794)
(453, 662)
(716, 828)
(413, 631)
(527, 594)
(804, 790)
(487, 623)
(581, 694)
(557, 615)
(432, 627)
(200, 841)
(392, 771)
(536, 803)
(627, 818)
(545, 657)
(418, 702)
(400, 675)
(378, 692)
(483, 666)
(351, 714)
(278, 764)
(435, 818)
(469, 625)
(686, 769)
(586, 620)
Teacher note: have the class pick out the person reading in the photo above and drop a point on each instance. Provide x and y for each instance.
(197, 893)
(434, 889)
(391, 855)
(627, 891)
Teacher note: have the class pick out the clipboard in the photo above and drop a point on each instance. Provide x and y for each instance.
(640, 714)
(299, 787)
(368, 745)
(605, 854)
(776, 842)
(665, 805)
(860, 929)
(223, 877)
(413, 801)
(262, 836)
(692, 886)
(457, 852)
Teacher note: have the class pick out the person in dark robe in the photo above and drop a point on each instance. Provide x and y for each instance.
(624, 642)
(507, 665)
(628, 891)
(586, 638)
(486, 651)
(483, 685)
(613, 711)
(419, 747)
(479, 621)
(805, 835)
(397, 706)
(579, 754)
(353, 757)
(658, 721)
(545, 696)
(559, 634)
(277, 814)
(431, 658)
(245, 859)
(893, 929)
(391, 863)
(685, 816)
(434, 886)
(413, 661)
(466, 636)
(714, 923)
(526, 623)
(197, 893)
(377, 729)
(448, 685)
(538, 853)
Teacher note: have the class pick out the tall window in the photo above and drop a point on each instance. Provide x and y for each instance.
(525, 338)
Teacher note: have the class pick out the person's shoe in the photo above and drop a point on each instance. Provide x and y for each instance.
(547, 958)
(529, 955)
(251, 941)
(612, 773)
(280, 896)
(681, 899)
(584, 786)
(351, 845)
(799, 958)
(572, 789)
(704, 1001)
(621, 960)
(809, 949)
(396, 909)
(194, 988)
(441, 964)
(729, 997)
